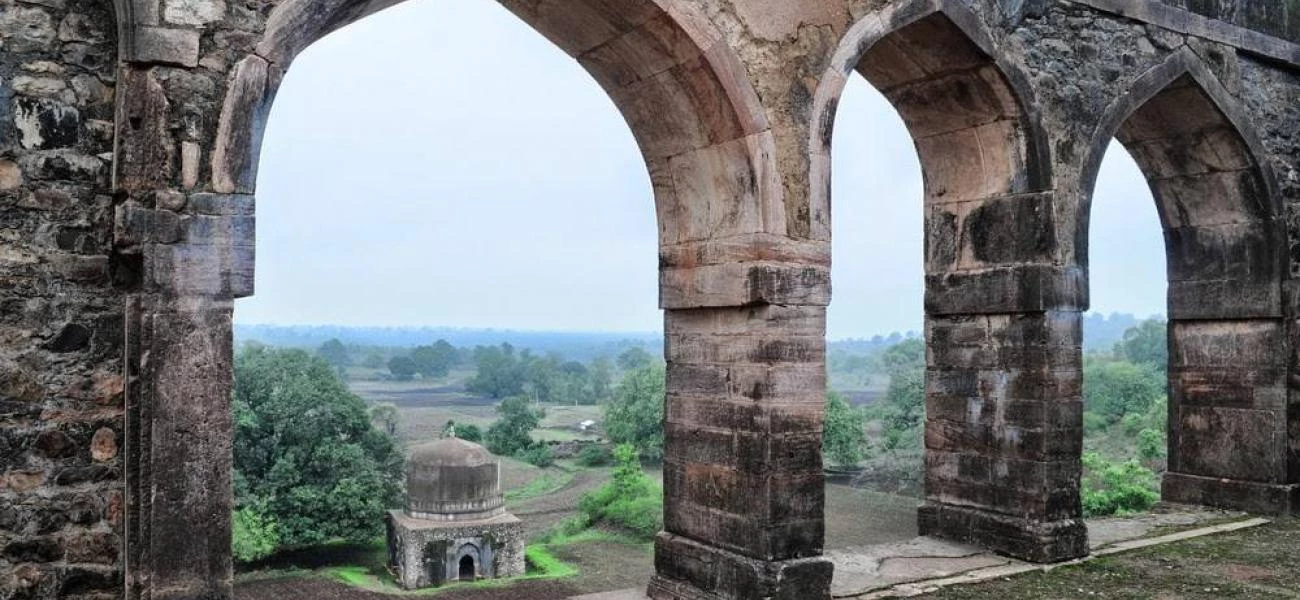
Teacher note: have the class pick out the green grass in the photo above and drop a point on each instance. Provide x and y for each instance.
(548, 482)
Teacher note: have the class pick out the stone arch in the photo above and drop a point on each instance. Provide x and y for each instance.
(1225, 246)
(954, 83)
(467, 554)
(681, 89)
(998, 298)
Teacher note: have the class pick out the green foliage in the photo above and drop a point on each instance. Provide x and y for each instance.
(1152, 445)
(306, 455)
(538, 455)
(630, 501)
(469, 432)
(1116, 488)
(636, 414)
(435, 360)
(335, 353)
(402, 368)
(373, 360)
(843, 436)
(602, 379)
(500, 373)
(1114, 388)
(634, 358)
(385, 415)
(902, 412)
(255, 536)
(595, 456)
(1146, 344)
(510, 434)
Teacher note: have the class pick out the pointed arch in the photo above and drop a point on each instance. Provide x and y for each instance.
(1226, 254)
(1216, 198)
(969, 110)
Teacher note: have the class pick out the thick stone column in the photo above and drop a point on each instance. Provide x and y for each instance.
(1003, 432)
(743, 479)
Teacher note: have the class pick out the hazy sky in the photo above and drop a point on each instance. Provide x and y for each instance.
(440, 163)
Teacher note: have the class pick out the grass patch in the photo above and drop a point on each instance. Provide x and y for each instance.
(541, 564)
(549, 482)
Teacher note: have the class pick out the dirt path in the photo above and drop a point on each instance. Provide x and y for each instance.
(544, 512)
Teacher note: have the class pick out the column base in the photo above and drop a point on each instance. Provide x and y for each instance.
(1233, 494)
(689, 570)
(1033, 541)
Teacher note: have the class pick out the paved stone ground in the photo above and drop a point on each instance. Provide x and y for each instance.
(861, 570)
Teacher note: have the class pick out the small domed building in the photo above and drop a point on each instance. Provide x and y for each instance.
(455, 526)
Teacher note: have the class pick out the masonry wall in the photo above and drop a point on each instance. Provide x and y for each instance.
(62, 508)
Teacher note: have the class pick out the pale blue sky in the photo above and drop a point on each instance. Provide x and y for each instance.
(440, 163)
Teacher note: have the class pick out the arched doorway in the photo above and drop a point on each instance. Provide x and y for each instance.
(467, 571)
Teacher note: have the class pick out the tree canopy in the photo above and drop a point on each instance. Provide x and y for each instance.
(636, 414)
(309, 467)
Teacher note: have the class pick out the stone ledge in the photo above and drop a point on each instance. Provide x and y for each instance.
(1032, 541)
(1250, 496)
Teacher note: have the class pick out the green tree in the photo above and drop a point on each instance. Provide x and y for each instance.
(511, 433)
(469, 432)
(306, 456)
(1115, 388)
(435, 360)
(500, 373)
(636, 414)
(402, 368)
(634, 358)
(385, 415)
(335, 353)
(1146, 344)
(373, 360)
(843, 435)
(902, 412)
(254, 536)
(602, 379)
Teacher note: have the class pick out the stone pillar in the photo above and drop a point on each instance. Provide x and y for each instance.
(743, 486)
(1003, 432)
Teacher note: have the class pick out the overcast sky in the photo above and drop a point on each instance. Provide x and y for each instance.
(441, 164)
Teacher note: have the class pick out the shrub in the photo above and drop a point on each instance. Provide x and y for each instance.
(538, 455)
(469, 433)
(1116, 488)
(510, 434)
(595, 456)
(255, 536)
(630, 501)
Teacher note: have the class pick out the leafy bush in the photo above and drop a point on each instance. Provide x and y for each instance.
(1093, 423)
(630, 501)
(469, 433)
(255, 536)
(1116, 488)
(538, 455)
(842, 436)
(595, 456)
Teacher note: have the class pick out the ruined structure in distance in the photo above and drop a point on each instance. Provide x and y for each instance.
(128, 152)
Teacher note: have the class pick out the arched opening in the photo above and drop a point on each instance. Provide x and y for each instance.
(705, 140)
(1125, 358)
(873, 438)
(467, 569)
(998, 303)
(1227, 378)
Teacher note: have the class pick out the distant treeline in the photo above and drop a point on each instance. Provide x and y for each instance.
(584, 346)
